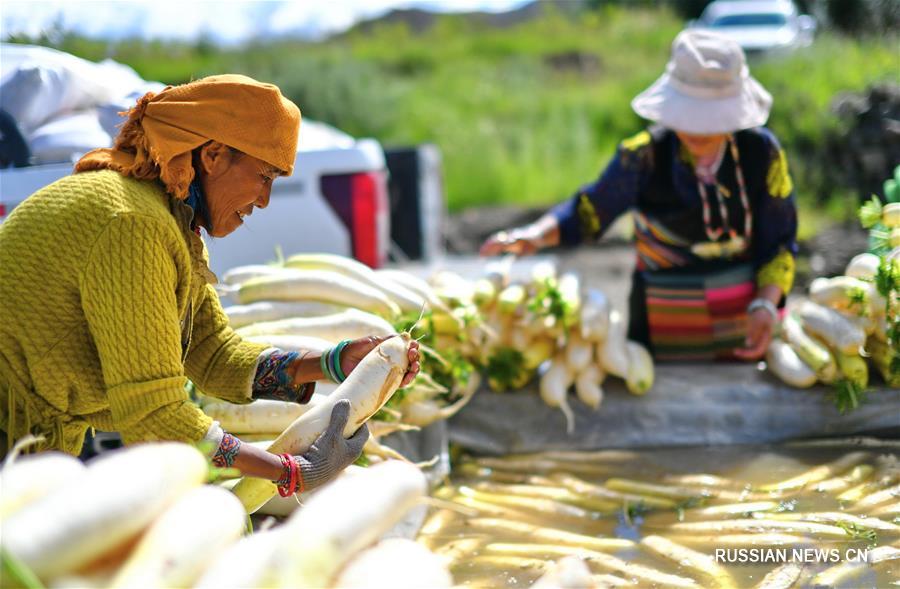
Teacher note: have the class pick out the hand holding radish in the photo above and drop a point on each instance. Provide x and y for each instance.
(330, 454)
(357, 349)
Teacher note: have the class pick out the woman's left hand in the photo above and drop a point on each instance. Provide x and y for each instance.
(760, 327)
(357, 349)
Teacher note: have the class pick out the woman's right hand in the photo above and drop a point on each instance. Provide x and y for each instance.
(522, 241)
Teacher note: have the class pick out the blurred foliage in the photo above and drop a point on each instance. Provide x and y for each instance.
(525, 113)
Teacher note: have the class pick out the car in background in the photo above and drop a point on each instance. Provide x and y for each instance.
(759, 25)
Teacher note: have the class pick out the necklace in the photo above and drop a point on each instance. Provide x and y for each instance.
(714, 234)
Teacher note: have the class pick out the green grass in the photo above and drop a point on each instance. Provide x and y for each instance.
(513, 125)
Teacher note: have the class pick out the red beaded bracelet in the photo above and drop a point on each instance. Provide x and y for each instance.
(294, 470)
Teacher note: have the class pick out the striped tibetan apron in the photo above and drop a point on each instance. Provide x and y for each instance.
(698, 316)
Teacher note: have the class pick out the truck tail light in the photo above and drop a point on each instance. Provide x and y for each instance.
(361, 202)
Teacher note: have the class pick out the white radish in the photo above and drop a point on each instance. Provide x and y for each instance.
(427, 411)
(406, 299)
(293, 343)
(261, 416)
(613, 353)
(241, 274)
(579, 354)
(416, 285)
(813, 354)
(841, 334)
(863, 266)
(568, 572)
(342, 519)
(184, 540)
(350, 324)
(784, 363)
(554, 385)
(640, 374)
(244, 564)
(368, 388)
(841, 292)
(696, 563)
(241, 315)
(587, 386)
(28, 478)
(397, 563)
(595, 316)
(316, 285)
(117, 497)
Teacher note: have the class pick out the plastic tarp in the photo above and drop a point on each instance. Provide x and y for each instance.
(690, 405)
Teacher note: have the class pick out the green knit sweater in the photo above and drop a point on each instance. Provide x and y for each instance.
(105, 309)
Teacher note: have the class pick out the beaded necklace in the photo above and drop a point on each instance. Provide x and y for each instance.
(715, 233)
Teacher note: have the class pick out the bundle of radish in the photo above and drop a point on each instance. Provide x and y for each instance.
(368, 388)
(851, 322)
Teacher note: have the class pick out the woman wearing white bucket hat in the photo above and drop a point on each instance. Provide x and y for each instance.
(714, 213)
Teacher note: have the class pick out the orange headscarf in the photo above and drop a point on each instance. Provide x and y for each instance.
(162, 129)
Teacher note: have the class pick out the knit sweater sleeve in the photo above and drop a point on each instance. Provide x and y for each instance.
(128, 290)
(219, 362)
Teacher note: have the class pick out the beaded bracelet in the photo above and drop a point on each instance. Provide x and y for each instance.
(288, 482)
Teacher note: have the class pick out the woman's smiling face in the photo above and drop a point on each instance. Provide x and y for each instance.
(233, 183)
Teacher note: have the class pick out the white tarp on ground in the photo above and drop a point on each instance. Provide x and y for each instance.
(66, 106)
(690, 405)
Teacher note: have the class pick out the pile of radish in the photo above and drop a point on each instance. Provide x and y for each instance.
(144, 516)
(547, 327)
(511, 332)
(311, 302)
(851, 322)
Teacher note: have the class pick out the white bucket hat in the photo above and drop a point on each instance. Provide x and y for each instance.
(707, 88)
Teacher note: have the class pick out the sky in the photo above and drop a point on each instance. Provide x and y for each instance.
(227, 21)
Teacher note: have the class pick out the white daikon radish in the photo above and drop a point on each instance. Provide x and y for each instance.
(406, 299)
(416, 285)
(569, 572)
(368, 388)
(241, 315)
(342, 519)
(595, 316)
(29, 478)
(118, 496)
(783, 577)
(350, 324)
(863, 266)
(554, 386)
(587, 386)
(397, 563)
(695, 563)
(640, 374)
(784, 363)
(424, 412)
(293, 343)
(184, 540)
(244, 564)
(841, 334)
(579, 353)
(240, 274)
(813, 354)
(841, 292)
(316, 285)
(260, 416)
(613, 353)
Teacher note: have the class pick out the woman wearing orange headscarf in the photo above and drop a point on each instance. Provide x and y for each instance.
(106, 301)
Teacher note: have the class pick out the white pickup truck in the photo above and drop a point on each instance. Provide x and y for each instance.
(336, 201)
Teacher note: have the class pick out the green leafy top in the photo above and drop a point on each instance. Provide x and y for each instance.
(870, 213)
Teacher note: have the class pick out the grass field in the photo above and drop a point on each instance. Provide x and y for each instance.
(523, 114)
